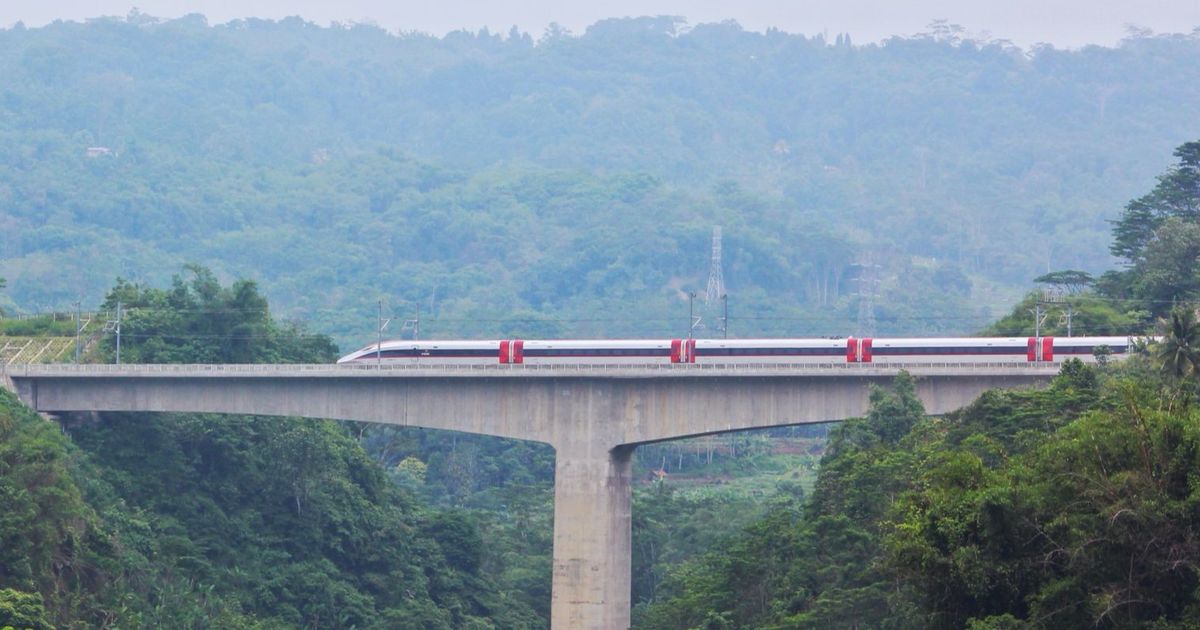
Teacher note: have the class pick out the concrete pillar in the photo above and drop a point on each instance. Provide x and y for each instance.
(592, 539)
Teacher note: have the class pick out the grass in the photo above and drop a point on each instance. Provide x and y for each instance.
(44, 326)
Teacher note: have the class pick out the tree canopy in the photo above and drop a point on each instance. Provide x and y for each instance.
(1158, 238)
(189, 521)
(1071, 280)
(199, 321)
(570, 185)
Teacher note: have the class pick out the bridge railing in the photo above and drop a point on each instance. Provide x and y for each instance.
(498, 369)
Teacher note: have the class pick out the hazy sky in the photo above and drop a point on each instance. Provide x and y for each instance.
(1065, 23)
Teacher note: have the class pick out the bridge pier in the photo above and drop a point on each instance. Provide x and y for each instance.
(592, 539)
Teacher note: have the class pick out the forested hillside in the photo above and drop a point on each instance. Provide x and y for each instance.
(212, 521)
(568, 186)
(1073, 506)
(572, 182)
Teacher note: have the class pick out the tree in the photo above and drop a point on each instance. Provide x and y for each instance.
(1176, 195)
(22, 611)
(894, 412)
(1090, 315)
(197, 320)
(1072, 280)
(1158, 235)
(1167, 270)
(1179, 351)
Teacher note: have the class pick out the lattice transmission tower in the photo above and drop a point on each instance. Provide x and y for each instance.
(716, 279)
(868, 288)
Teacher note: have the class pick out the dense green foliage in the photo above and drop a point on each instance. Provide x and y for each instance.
(809, 562)
(1073, 506)
(199, 321)
(293, 522)
(1069, 507)
(1089, 314)
(53, 559)
(1094, 524)
(569, 186)
(1179, 351)
(1158, 239)
(507, 487)
(193, 521)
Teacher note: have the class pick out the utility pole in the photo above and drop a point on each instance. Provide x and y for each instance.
(379, 344)
(1039, 316)
(414, 324)
(78, 328)
(118, 330)
(1069, 315)
(725, 314)
(692, 321)
(112, 326)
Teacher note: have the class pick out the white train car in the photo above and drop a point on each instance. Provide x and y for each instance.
(1086, 348)
(455, 352)
(590, 351)
(743, 351)
(885, 351)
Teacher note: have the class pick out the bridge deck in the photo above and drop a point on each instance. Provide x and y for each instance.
(624, 371)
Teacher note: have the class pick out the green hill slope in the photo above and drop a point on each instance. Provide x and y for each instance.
(489, 178)
(192, 521)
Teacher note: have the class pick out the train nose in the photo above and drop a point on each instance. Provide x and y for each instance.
(349, 358)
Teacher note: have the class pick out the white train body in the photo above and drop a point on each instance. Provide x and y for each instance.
(568, 351)
(869, 350)
(735, 351)
(458, 352)
(947, 350)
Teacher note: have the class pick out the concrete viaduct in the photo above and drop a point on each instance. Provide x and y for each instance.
(593, 416)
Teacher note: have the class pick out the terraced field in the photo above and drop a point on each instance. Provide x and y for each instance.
(36, 349)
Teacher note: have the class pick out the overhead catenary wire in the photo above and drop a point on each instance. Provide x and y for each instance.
(128, 312)
(666, 332)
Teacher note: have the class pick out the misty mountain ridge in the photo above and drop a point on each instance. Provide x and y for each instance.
(491, 176)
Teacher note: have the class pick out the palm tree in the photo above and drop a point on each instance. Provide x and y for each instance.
(1179, 350)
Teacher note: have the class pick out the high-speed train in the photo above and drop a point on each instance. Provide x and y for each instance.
(880, 350)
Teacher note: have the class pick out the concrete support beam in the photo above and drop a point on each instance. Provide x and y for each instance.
(593, 540)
